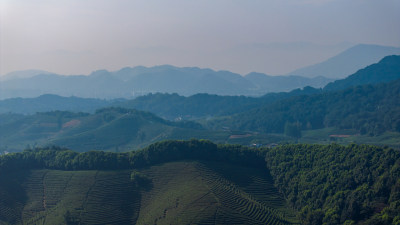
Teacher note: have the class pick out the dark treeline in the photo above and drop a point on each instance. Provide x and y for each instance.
(161, 152)
(335, 184)
(369, 109)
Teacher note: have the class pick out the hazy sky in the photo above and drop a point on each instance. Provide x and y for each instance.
(270, 36)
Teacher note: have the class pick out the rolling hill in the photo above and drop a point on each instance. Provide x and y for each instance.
(188, 192)
(185, 189)
(348, 62)
(112, 129)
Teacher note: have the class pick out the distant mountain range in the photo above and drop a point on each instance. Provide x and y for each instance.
(348, 62)
(137, 81)
(131, 82)
(174, 106)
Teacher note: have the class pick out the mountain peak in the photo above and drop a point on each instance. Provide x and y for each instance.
(348, 62)
(100, 73)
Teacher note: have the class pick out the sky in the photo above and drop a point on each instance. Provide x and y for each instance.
(269, 36)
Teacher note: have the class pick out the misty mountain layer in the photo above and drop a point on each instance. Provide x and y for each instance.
(131, 82)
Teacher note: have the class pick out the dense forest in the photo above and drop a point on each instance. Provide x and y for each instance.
(369, 109)
(335, 184)
(326, 184)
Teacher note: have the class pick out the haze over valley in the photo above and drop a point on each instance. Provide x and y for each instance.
(200, 112)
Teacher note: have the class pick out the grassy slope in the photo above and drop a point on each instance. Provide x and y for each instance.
(109, 130)
(186, 192)
(95, 197)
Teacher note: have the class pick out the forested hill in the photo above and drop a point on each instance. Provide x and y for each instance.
(368, 109)
(386, 70)
(173, 106)
(326, 184)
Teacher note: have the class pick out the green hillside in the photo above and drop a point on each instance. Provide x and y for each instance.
(199, 183)
(188, 192)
